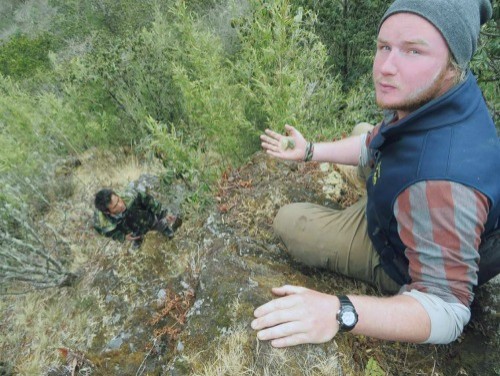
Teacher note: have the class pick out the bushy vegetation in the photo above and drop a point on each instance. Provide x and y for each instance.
(486, 63)
(20, 56)
(348, 28)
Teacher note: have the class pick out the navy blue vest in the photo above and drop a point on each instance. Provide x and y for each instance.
(450, 138)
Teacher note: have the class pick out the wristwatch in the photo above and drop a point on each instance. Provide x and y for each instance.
(347, 317)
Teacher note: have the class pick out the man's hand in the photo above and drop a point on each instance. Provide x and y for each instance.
(275, 144)
(130, 237)
(299, 316)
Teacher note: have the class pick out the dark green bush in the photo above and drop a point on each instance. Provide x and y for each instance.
(348, 28)
(21, 56)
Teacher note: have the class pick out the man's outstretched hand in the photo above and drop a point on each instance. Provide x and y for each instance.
(298, 316)
(290, 147)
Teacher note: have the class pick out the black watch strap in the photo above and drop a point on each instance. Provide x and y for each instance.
(344, 300)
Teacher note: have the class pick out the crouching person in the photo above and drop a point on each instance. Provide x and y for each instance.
(129, 216)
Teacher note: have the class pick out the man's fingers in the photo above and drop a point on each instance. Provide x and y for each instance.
(131, 237)
(280, 331)
(289, 129)
(275, 305)
(287, 290)
(293, 340)
(273, 134)
(298, 315)
(276, 317)
(287, 300)
(269, 141)
(270, 147)
(270, 144)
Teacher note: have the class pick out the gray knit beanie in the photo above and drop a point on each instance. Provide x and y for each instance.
(457, 20)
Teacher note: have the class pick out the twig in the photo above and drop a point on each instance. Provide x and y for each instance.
(490, 34)
(139, 370)
(406, 354)
(34, 250)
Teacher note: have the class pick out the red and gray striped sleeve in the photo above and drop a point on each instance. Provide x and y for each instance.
(440, 223)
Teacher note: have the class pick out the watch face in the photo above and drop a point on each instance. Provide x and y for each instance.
(348, 318)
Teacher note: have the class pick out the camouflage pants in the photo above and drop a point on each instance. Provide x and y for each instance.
(162, 225)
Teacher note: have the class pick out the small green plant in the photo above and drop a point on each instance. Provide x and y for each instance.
(373, 368)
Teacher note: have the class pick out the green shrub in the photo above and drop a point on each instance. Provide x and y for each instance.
(348, 28)
(136, 72)
(282, 64)
(175, 73)
(175, 83)
(360, 104)
(33, 136)
(486, 63)
(22, 56)
(206, 130)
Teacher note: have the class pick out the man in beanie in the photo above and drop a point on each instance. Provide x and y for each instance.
(428, 230)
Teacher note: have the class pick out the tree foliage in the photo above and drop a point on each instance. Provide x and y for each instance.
(348, 28)
(486, 63)
(178, 75)
(282, 63)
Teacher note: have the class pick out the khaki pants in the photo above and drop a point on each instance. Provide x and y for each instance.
(333, 239)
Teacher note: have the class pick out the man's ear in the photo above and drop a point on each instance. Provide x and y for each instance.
(452, 74)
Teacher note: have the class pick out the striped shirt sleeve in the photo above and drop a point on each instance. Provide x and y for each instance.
(365, 156)
(441, 223)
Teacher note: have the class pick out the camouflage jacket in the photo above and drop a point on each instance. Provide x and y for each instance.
(141, 215)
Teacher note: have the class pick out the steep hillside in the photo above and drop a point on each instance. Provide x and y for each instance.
(184, 307)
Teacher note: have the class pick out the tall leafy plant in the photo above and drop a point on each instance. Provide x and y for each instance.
(282, 62)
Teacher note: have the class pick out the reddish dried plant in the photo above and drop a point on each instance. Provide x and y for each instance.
(175, 308)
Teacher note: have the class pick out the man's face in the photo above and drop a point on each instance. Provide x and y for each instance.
(116, 205)
(411, 64)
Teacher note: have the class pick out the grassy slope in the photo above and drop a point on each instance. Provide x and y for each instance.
(228, 258)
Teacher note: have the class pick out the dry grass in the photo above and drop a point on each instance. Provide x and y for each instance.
(238, 352)
(34, 325)
(230, 356)
(107, 169)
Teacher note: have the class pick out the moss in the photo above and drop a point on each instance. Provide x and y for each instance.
(123, 360)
